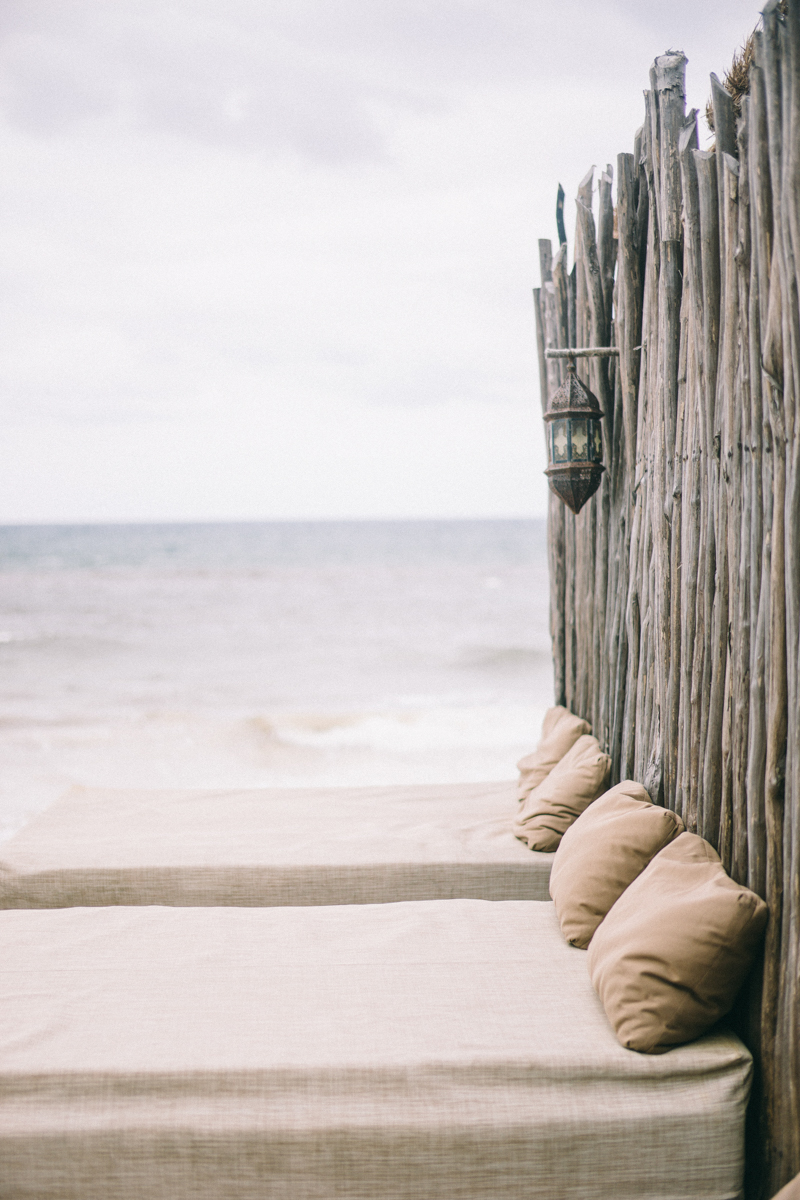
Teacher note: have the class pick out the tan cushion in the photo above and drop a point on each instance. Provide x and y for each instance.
(791, 1191)
(265, 846)
(560, 731)
(603, 852)
(671, 955)
(421, 1051)
(561, 797)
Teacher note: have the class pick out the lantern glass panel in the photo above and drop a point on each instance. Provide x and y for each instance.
(597, 441)
(560, 442)
(580, 440)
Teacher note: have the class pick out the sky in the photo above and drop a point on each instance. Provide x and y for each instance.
(273, 259)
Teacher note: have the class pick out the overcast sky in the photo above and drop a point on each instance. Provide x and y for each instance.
(273, 258)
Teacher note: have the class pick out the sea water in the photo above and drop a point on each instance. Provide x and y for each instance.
(268, 654)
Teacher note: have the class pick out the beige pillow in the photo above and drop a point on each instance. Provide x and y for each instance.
(561, 797)
(603, 852)
(671, 955)
(791, 1191)
(560, 731)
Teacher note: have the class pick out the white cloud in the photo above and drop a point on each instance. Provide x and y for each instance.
(281, 461)
(229, 215)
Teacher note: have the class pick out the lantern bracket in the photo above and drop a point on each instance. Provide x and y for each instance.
(584, 352)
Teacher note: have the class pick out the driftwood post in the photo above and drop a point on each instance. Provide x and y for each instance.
(675, 593)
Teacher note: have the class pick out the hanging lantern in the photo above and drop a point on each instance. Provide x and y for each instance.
(574, 441)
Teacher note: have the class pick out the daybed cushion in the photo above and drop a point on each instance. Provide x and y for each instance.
(273, 846)
(445, 1049)
(672, 953)
(560, 731)
(609, 845)
(791, 1191)
(562, 796)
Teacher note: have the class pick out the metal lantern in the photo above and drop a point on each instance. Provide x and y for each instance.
(574, 441)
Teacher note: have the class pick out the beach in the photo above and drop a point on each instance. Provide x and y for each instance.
(268, 654)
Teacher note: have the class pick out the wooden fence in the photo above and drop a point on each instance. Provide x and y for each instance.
(675, 594)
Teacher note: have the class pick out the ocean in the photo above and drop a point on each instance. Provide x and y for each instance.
(268, 654)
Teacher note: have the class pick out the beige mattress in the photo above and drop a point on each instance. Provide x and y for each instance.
(273, 847)
(435, 1050)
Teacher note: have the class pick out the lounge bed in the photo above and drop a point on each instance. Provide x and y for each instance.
(443, 1050)
(273, 847)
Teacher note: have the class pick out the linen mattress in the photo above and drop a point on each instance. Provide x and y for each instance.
(273, 847)
(449, 1050)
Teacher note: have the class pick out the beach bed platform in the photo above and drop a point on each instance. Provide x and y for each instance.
(274, 846)
(444, 1050)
